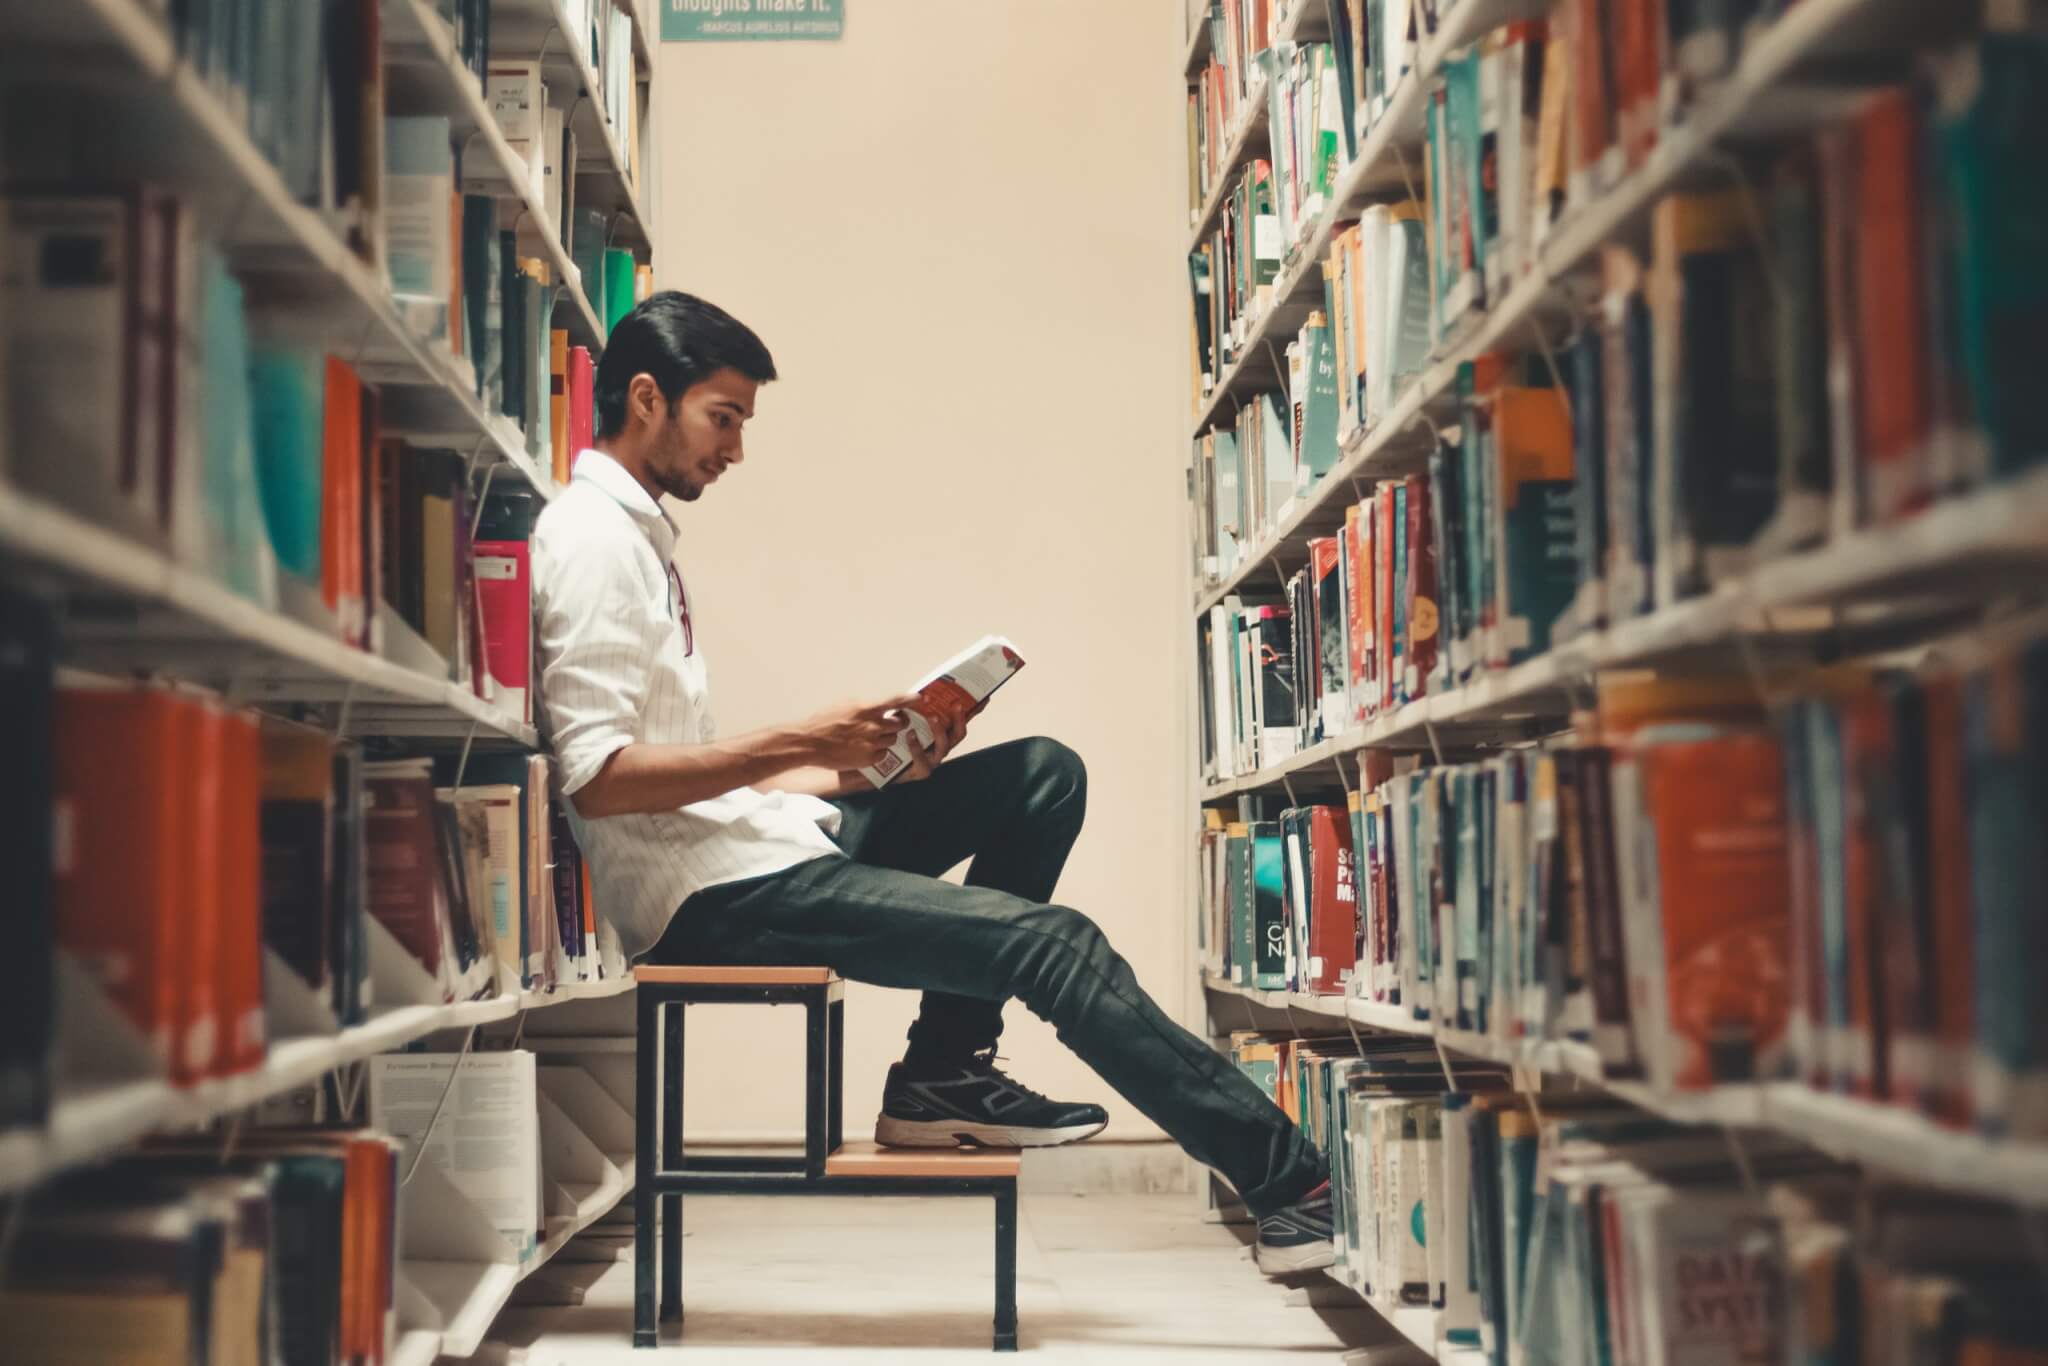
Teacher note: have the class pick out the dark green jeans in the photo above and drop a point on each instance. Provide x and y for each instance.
(882, 915)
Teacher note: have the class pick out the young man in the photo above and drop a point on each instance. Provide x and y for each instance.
(770, 848)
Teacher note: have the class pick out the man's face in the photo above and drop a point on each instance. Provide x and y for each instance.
(691, 446)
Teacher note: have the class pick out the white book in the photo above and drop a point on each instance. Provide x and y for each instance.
(953, 689)
(519, 102)
(419, 188)
(552, 172)
(486, 1141)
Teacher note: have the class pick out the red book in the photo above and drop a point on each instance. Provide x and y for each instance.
(243, 1031)
(581, 381)
(196, 873)
(369, 522)
(1363, 574)
(1867, 760)
(1421, 613)
(1952, 974)
(119, 788)
(1592, 92)
(406, 892)
(1333, 899)
(1383, 590)
(1895, 404)
(1358, 593)
(504, 590)
(341, 539)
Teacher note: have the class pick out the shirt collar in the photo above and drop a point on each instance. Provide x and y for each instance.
(609, 477)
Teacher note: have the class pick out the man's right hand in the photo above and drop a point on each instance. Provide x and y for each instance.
(855, 736)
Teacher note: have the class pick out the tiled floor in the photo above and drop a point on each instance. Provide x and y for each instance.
(1102, 1278)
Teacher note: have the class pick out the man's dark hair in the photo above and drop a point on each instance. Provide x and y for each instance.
(679, 340)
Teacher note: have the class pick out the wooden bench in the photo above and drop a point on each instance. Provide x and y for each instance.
(664, 1173)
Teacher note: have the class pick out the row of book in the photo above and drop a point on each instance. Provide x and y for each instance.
(227, 879)
(1572, 1228)
(1840, 892)
(313, 1237)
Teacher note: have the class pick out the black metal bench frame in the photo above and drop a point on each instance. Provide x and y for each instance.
(660, 1126)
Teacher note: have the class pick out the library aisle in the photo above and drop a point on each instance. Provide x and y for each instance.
(1512, 536)
(1101, 1278)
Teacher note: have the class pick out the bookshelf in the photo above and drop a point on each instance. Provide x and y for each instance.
(142, 106)
(1934, 589)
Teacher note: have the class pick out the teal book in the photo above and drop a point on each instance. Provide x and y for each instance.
(1532, 501)
(287, 396)
(480, 332)
(1466, 832)
(539, 430)
(1319, 413)
(239, 549)
(1398, 651)
(1237, 866)
(512, 329)
(1993, 148)
(1519, 1216)
(2005, 739)
(1412, 338)
(1279, 453)
(1474, 449)
(1461, 76)
(589, 235)
(1268, 950)
(618, 286)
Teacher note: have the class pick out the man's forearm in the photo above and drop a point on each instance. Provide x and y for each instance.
(645, 777)
(818, 782)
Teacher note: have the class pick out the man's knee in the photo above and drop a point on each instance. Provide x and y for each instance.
(1049, 764)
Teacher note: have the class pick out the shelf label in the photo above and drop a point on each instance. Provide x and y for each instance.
(752, 21)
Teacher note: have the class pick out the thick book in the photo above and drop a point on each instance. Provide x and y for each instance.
(504, 590)
(408, 893)
(950, 693)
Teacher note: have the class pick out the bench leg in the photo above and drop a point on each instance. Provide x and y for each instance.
(815, 1052)
(672, 1161)
(1006, 1267)
(645, 1113)
(836, 1088)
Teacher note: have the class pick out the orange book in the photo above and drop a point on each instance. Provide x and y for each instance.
(1700, 829)
(558, 402)
(118, 790)
(1553, 126)
(370, 520)
(589, 915)
(1358, 582)
(1383, 590)
(195, 854)
(1639, 72)
(243, 1031)
(341, 539)
(1895, 403)
(1365, 567)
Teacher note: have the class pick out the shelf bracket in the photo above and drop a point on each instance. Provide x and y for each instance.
(476, 518)
(1443, 1060)
(1436, 749)
(462, 763)
(1287, 785)
(427, 1134)
(1742, 1164)
(348, 699)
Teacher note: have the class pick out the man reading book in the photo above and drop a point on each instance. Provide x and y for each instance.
(771, 848)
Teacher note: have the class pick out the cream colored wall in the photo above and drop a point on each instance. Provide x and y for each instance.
(960, 231)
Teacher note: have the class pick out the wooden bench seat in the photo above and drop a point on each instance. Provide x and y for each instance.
(697, 976)
(871, 1159)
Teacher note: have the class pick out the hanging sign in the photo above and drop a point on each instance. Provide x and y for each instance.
(752, 21)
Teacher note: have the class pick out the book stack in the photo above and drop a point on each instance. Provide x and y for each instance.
(1377, 294)
(1232, 272)
(1305, 120)
(1223, 93)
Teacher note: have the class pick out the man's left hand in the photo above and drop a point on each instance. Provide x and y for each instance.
(947, 733)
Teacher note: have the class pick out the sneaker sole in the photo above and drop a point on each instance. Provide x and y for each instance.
(1280, 1261)
(946, 1133)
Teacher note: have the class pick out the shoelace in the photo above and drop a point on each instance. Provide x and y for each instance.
(985, 1063)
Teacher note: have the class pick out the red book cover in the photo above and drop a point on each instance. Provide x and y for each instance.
(1364, 574)
(118, 790)
(243, 1031)
(406, 892)
(504, 589)
(1836, 154)
(196, 877)
(1952, 974)
(1716, 971)
(581, 413)
(1639, 72)
(1383, 591)
(1333, 899)
(1896, 404)
(1867, 762)
(1592, 91)
(341, 540)
(1421, 605)
(1358, 591)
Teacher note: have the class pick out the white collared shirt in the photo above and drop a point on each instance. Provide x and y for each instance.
(614, 670)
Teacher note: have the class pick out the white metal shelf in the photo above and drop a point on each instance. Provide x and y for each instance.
(520, 29)
(1996, 535)
(421, 63)
(93, 1120)
(171, 618)
(172, 128)
(1885, 1138)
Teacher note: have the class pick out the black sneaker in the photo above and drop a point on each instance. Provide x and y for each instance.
(1299, 1237)
(977, 1104)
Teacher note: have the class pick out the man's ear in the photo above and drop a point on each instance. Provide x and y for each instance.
(643, 394)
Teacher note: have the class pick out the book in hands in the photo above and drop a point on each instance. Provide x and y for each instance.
(951, 691)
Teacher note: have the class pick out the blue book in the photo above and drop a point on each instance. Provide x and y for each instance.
(238, 544)
(287, 397)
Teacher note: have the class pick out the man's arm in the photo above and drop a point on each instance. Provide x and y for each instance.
(641, 777)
